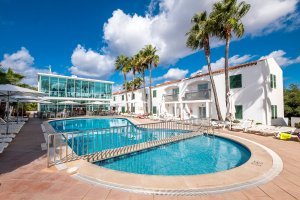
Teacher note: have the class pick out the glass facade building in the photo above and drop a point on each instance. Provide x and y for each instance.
(80, 90)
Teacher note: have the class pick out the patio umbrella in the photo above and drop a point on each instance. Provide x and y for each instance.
(231, 109)
(96, 103)
(8, 91)
(69, 103)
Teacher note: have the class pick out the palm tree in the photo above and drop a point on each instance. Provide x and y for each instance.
(198, 38)
(140, 67)
(151, 59)
(228, 15)
(137, 83)
(122, 64)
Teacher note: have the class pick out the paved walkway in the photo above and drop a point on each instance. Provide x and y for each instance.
(24, 174)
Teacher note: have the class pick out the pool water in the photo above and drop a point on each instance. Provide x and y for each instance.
(68, 125)
(200, 155)
(98, 134)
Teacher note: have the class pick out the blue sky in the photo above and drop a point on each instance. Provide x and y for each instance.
(84, 37)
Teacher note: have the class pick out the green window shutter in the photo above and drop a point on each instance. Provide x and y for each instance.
(238, 111)
(122, 97)
(132, 109)
(274, 81)
(154, 93)
(133, 96)
(274, 111)
(123, 109)
(235, 81)
(154, 110)
(271, 80)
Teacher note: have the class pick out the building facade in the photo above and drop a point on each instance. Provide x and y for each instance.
(256, 93)
(71, 88)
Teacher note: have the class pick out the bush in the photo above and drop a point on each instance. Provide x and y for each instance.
(297, 125)
(236, 121)
(258, 123)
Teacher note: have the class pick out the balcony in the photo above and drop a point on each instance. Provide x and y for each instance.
(197, 95)
(171, 97)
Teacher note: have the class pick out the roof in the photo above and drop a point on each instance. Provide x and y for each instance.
(75, 78)
(205, 74)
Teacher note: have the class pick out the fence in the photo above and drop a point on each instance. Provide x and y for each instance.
(100, 144)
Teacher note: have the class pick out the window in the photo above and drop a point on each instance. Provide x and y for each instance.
(154, 110)
(235, 81)
(203, 86)
(133, 96)
(53, 86)
(273, 80)
(45, 84)
(238, 111)
(154, 93)
(132, 108)
(274, 111)
(114, 98)
(122, 97)
(123, 109)
(175, 91)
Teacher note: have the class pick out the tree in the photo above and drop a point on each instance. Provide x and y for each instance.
(292, 101)
(10, 77)
(228, 14)
(137, 83)
(151, 59)
(198, 38)
(122, 64)
(140, 67)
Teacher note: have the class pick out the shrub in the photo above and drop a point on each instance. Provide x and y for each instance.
(297, 125)
(236, 121)
(258, 123)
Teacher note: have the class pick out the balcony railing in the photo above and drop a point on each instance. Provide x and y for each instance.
(197, 95)
(171, 97)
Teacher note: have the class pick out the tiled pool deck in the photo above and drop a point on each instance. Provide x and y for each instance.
(24, 174)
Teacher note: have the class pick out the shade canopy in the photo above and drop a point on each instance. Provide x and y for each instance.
(13, 90)
(68, 103)
(97, 103)
(46, 102)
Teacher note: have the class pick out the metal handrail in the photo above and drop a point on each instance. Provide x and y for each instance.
(99, 144)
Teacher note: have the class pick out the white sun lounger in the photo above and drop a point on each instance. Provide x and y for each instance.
(6, 140)
(8, 136)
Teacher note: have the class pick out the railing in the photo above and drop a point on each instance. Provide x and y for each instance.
(197, 95)
(171, 97)
(100, 144)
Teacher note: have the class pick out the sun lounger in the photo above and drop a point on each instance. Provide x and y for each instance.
(8, 136)
(6, 140)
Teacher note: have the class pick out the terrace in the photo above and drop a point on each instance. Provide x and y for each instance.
(24, 173)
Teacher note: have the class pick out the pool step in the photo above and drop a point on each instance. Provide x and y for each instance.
(107, 154)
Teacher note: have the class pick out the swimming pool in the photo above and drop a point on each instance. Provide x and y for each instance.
(200, 155)
(80, 124)
(90, 135)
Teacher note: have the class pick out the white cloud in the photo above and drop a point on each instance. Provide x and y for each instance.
(175, 74)
(89, 63)
(22, 62)
(280, 58)
(126, 33)
(219, 64)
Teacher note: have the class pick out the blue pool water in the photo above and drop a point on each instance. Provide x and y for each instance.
(99, 134)
(199, 155)
(68, 125)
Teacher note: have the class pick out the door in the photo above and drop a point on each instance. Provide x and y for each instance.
(202, 112)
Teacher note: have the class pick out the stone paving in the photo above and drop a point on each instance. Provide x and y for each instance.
(24, 174)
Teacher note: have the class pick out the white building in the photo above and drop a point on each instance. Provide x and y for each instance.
(256, 92)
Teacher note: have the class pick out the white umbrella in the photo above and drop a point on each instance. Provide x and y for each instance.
(68, 103)
(8, 91)
(96, 103)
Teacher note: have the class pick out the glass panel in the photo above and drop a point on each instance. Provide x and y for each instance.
(70, 88)
(175, 91)
(78, 88)
(97, 90)
(85, 89)
(203, 86)
(44, 84)
(62, 87)
(91, 89)
(53, 86)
